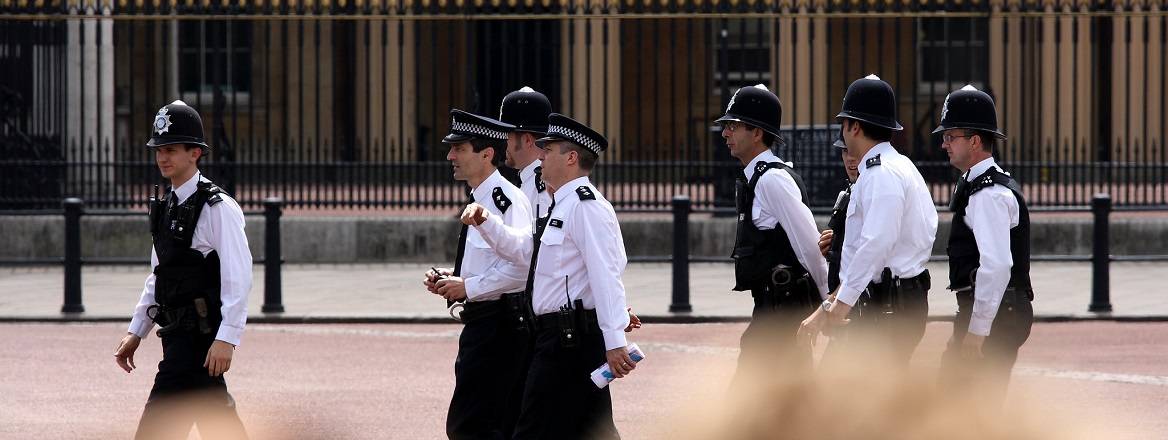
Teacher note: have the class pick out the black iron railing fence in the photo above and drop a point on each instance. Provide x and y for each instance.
(342, 105)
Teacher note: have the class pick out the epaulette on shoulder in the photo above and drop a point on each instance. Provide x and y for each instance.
(585, 193)
(990, 178)
(215, 193)
(500, 199)
(873, 162)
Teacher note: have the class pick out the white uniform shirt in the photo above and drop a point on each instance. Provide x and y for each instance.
(777, 200)
(220, 228)
(539, 200)
(891, 222)
(581, 256)
(991, 213)
(487, 276)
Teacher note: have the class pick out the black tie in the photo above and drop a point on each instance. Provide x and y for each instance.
(461, 244)
(171, 203)
(540, 225)
(461, 247)
(958, 192)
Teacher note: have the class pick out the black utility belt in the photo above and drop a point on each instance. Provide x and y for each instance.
(888, 291)
(1010, 296)
(586, 320)
(800, 291)
(513, 305)
(919, 282)
(199, 315)
(570, 323)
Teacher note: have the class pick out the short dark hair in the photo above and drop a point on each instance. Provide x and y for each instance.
(587, 157)
(875, 132)
(768, 139)
(480, 144)
(988, 139)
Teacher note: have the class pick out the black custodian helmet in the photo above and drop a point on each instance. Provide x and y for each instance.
(177, 123)
(969, 108)
(527, 110)
(870, 99)
(757, 106)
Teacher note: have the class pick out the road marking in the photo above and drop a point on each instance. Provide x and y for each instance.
(687, 348)
(315, 330)
(1093, 376)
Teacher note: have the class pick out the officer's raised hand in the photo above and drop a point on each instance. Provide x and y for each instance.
(124, 355)
(634, 321)
(451, 288)
(825, 238)
(474, 214)
(219, 358)
(619, 361)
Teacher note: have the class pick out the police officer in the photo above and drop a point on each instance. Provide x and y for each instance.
(891, 224)
(776, 255)
(577, 258)
(528, 111)
(989, 251)
(197, 291)
(831, 240)
(492, 346)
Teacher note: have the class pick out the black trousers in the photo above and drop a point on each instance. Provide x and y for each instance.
(768, 347)
(989, 377)
(493, 357)
(880, 334)
(559, 400)
(184, 394)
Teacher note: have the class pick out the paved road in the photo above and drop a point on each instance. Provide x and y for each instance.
(394, 292)
(393, 381)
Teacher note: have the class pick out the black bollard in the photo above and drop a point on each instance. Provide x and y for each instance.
(681, 208)
(273, 293)
(1101, 255)
(73, 256)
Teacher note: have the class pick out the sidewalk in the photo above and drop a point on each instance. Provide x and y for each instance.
(394, 293)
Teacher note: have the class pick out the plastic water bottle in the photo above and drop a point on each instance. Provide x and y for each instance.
(603, 374)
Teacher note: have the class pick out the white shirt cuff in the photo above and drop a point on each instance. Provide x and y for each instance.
(490, 226)
(229, 334)
(614, 339)
(848, 295)
(980, 327)
(140, 327)
(472, 288)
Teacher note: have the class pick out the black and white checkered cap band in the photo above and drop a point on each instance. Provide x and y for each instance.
(477, 130)
(575, 136)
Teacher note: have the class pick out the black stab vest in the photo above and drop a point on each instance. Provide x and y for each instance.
(184, 274)
(758, 251)
(963, 254)
(839, 216)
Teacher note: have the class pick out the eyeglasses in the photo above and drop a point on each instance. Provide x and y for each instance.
(949, 138)
(733, 126)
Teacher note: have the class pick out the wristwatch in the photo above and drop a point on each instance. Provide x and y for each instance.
(826, 304)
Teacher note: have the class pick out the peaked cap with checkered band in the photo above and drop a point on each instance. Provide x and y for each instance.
(563, 128)
(465, 126)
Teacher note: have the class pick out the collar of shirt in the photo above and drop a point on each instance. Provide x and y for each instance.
(188, 188)
(528, 171)
(765, 156)
(980, 168)
(881, 148)
(569, 188)
(482, 193)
